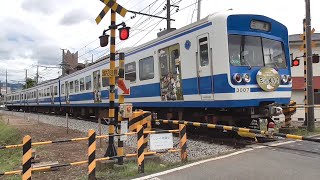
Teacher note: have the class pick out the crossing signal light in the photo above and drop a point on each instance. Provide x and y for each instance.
(295, 62)
(104, 40)
(315, 58)
(124, 33)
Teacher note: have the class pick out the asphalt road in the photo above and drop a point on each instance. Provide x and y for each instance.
(293, 161)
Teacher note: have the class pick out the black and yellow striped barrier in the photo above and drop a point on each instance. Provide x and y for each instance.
(139, 117)
(237, 129)
(140, 156)
(26, 158)
(92, 155)
(27, 152)
(183, 141)
(120, 150)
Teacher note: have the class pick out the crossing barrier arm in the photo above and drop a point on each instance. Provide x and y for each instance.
(233, 128)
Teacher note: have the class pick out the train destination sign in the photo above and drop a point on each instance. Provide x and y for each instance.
(268, 79)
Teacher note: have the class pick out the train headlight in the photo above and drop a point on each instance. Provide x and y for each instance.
(237, 78)
(284, 78)
(246, 77)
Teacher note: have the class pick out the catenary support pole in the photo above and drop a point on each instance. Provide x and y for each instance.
(310, 92)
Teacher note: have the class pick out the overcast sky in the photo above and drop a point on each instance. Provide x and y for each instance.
(35, 31)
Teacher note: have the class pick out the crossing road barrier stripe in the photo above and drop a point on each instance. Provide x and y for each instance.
(26, 158)
(92, 155)
(140, 149)
(232, 128)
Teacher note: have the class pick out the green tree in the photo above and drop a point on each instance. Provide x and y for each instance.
(30, 83)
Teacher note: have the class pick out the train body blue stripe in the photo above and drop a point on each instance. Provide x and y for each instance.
(185, 104)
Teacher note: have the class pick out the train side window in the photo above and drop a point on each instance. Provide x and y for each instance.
(71, 87)
(146, 68)
(62, 89)
(105, 81)
(76, 86)
(55, 90)
(82, 84)
(88, 82)
(130, 72)
(48, 91)
(204, 56)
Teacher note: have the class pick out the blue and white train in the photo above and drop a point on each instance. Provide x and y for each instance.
(226, 68)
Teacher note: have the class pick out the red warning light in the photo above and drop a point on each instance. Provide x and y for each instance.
(124, 33)
(295, 62)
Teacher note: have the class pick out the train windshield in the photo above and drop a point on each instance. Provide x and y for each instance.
(256, 51)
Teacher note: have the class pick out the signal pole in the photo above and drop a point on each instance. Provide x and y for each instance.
(310, 95)
(199, 10)
(111, 150)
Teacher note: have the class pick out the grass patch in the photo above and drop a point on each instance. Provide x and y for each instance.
(10, 158)
(130, 170)
(304, 132)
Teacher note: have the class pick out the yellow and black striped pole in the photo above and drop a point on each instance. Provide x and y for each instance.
(26, 159)
(92, 155)
(121, 101)
(146, 122)
(305, 72)
(183, 141)
(111, 150)
(140, 149)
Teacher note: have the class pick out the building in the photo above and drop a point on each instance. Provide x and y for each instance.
(3, 90)
(298, 85)
(70, 63)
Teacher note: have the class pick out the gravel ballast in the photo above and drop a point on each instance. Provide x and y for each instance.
(196, 149)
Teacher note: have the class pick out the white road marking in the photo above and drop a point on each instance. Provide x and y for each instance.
(207, 160)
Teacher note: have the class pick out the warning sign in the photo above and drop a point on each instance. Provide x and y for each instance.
(123, 87)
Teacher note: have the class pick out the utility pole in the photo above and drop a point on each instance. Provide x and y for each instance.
(168, 15)
(26, 79)
(6, 81)
(37, 74)
(63, 63)
(199, 10)
(310, 92)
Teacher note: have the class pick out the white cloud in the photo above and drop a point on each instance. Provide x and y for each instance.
(75, 16)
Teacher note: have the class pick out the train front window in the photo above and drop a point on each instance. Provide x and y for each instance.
(255, 51)
(273, 53)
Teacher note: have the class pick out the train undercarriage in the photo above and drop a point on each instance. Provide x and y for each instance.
(240, 117)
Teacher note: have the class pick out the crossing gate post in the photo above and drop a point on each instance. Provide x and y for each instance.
(140, 146)
(183, 142)
(92, 155)
(111, 150)
(26, 158)
(121, 101)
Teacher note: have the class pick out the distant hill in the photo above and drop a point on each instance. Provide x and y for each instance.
(13, 86)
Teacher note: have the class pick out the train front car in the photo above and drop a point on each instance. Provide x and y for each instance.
(252, 74)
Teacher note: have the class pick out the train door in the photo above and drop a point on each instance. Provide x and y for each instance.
(52, 94)
(170, 73)
(204, 67)
(97, 86)
(67, 92)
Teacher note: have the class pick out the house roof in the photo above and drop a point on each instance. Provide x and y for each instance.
(297, 38)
